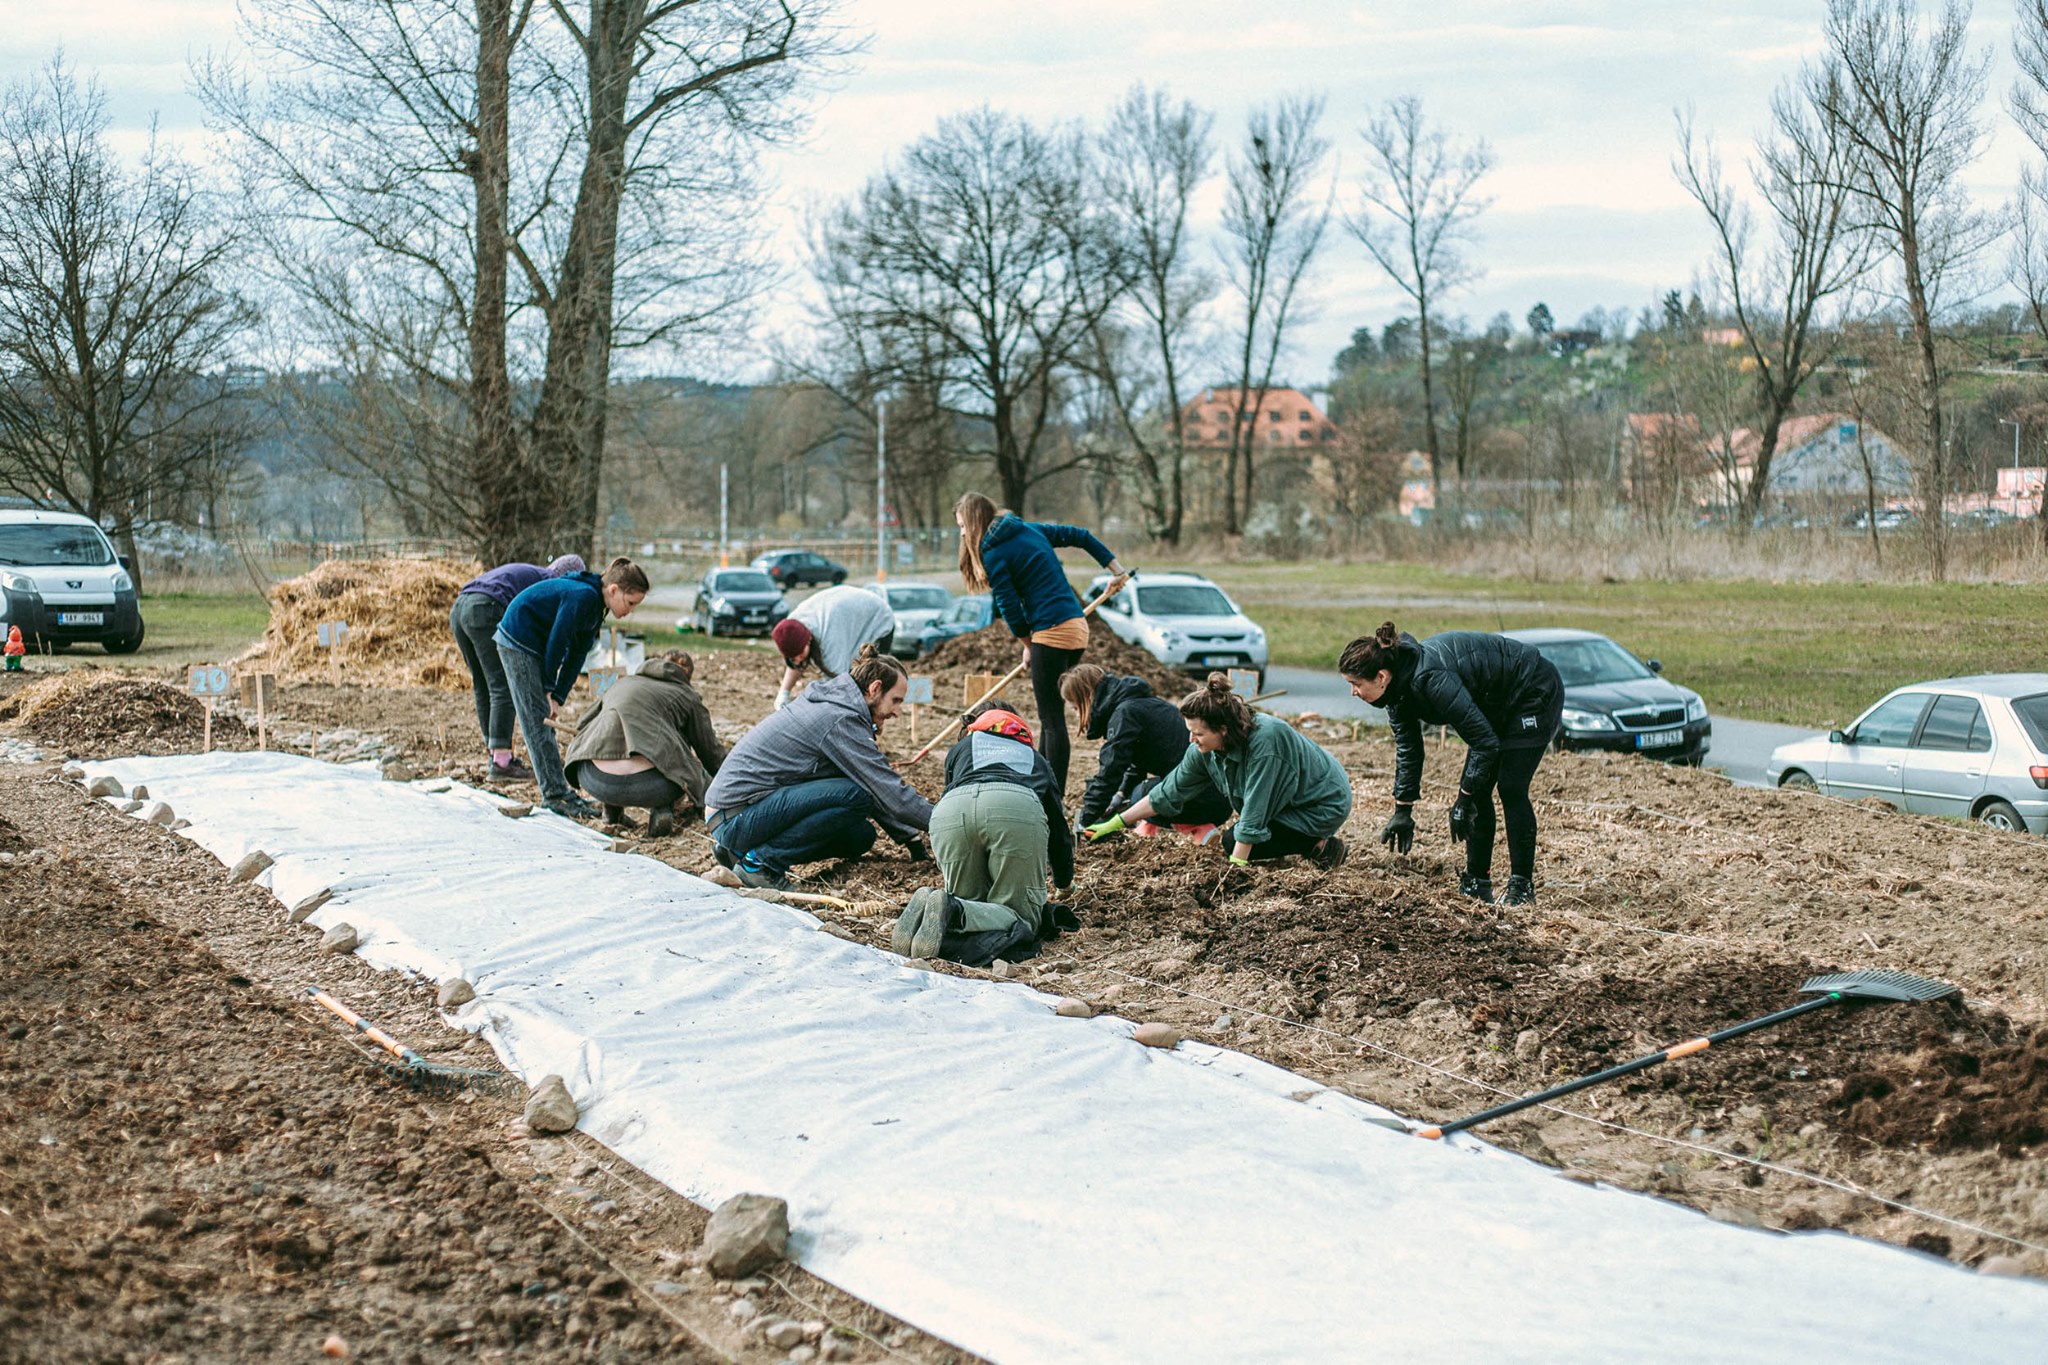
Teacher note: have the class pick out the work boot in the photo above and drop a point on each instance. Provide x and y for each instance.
(721, 855)
(1478, 888)
(616, 815)
(1521, 891)
(573, 807)
(1329, 855)
(661, 822)
(923, 902)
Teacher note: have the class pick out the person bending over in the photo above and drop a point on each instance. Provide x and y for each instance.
(827, 629)
(1505, 701)
(648, 742)
(542, 641)
(997, 832)
(1143, 739)
(806, 783)
(1291, 796)
(474, 618)
(1017, 562)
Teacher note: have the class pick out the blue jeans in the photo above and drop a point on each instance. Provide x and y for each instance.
(474, 619)
(807, 823)
(530, 700)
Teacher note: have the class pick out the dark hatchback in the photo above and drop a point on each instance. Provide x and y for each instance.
(736, 602)
(1613, 700)
(795, 568)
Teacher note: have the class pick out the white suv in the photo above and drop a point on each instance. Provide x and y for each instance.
(1184, 621)
(62, 583)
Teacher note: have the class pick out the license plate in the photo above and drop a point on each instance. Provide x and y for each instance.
(1660, 739)
(81, 618)
(1216, 660)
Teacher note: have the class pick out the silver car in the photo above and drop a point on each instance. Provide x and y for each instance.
(1973, 748)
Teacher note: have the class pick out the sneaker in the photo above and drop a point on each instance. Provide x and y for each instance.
(1201, 834)
(1521, 891)
(753, 874)
(574, 807)
(1062, 919)
(1330, 855)
(1145, 829)
(515, 771)
(1478, 888)
(722, 855)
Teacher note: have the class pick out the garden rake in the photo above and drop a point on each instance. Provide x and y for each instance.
(416, 1071)
(1831, 990)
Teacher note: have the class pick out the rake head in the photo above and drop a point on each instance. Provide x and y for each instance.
(430, 1079)
(1880, 985)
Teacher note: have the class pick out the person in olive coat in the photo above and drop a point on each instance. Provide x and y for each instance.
(1505, 701)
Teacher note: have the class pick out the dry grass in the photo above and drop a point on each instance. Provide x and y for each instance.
(396, 611)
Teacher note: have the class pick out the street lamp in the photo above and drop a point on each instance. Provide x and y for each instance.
(2004, 422)
(881, 474)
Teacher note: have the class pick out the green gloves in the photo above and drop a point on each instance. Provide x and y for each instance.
(1236, 861)
(1114, 825)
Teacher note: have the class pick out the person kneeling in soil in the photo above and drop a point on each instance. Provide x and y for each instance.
(1291, 796)
(827, 629)
(1143, 739)
(1503, 698)
(648, 742)
(543, 640)
(996, 833)
(804, 785)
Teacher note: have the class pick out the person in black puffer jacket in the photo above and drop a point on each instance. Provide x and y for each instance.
(1505, 701)
(1143, 739)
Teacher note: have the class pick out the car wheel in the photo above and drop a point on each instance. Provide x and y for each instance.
(64, 647)
(838, 578)
(1798, 780)
(125, 644)
(2002, 817)
(710, 624)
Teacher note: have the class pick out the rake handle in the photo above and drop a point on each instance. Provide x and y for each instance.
(1676, 1050)
(367, 1029)
(1002, 683)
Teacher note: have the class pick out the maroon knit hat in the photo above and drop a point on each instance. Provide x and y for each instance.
(792, 637)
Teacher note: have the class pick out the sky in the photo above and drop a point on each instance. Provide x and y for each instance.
(1575, 97)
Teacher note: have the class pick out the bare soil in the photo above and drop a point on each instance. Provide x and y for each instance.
(1669, 904)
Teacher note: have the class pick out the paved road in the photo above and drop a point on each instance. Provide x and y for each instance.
(1740, 748)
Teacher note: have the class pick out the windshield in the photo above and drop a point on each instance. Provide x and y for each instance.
(966, 609)
(919, 599)
(1184, 599)
(2033, 713)
(743, 582)
(1588, 663)
(32, 543)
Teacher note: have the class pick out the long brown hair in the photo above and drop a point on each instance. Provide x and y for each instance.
(1077, 688)
(623, 572)
(976, 515)
(1370, 655)
(1222, 710)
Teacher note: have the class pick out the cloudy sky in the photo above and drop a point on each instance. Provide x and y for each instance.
(1574, 96)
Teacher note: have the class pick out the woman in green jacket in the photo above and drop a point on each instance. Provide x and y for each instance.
(1290, 795)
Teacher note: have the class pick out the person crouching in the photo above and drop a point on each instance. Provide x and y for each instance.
(649, 743)
(996, 833)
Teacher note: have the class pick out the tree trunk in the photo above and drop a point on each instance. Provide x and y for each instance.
(1934, 481)
(1436, 477)
(509, 524)
(1766, 450)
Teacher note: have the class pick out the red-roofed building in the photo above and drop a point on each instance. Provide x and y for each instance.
(1288, 419)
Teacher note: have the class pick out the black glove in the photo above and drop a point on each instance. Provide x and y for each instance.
(1398, 833)
(914, 850)
(1463, 811)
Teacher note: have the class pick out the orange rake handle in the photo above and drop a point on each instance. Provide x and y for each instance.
(367, 1029)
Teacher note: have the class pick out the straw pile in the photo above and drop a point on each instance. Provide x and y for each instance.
(994, 650)
(396, 611)
(95, 712)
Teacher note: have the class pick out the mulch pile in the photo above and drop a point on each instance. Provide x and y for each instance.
(100, 712)
(1947, 1096)
(396, 611)
(995, 650)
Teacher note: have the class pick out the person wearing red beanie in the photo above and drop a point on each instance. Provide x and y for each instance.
(828, 629)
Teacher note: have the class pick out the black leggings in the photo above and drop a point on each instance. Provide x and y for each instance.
(1284, 841)
(647, 789)
(1517, 766)
(1047, 664)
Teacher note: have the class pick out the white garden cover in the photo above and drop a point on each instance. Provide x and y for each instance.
(1030, 1187)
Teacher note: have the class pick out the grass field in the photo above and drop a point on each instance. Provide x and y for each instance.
(1801, 653)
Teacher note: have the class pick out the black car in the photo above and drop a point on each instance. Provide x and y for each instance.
(1613, 700)
(795, 568)
(736, 602)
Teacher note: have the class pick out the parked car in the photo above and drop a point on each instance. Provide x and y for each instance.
(62, 583)
(1613, 700)
(916, 606)
(1973, 748)
(795, 568)
(1184, 621)
(736, 602)
(976, 611)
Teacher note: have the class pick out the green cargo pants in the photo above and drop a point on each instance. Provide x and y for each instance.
(990, 840)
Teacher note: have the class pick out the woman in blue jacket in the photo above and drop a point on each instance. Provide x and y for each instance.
(543, 639)
(1017, 562)
(474, 620)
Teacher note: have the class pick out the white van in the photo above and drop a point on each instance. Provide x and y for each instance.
(62, 583)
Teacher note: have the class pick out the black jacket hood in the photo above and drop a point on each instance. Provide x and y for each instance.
(1112, 692)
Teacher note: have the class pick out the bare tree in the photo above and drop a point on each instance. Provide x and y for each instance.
(1154, 155)
(1419, 202)
(2029, 102)
(115, 325)
(1905, 96)
(1272, 227)
(1810, 253)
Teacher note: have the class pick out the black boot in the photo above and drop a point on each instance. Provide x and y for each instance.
(1478, 888)
(616, 815)
(661, 822)
(1521, 891)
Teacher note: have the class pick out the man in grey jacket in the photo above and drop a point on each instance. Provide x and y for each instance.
(809, 782)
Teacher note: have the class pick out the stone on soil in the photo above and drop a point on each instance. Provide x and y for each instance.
(783, 1334)
(157, 813)
(723, 876)
(455, 993)
(746, 1232)
(839, 1348)
(1074, 1008)
(515, 810)
(2001, 1265)
(178, 824)
(250, 868)
(397, 771)
(141, 792)
(342, 938)
(306, 907)
(1527, 1042)
(130, 806)
(1157, 1035)
(551, 1108)
(105, 786)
